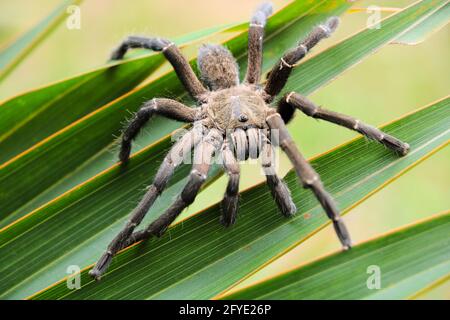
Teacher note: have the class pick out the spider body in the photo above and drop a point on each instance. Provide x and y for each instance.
(235, 121)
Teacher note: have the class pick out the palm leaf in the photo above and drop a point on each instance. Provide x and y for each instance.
(427, 27)
(407, 260)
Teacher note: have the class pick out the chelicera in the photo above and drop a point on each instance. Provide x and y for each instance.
(234, 121)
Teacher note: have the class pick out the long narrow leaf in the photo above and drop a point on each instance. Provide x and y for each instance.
(393, 266)
(14, 53)
(428, 27)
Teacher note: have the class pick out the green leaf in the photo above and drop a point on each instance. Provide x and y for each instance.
(429, 26)
(88, 146)
(34, 116)
(405, 261)
(430, 291)
(13, 54)
(189, 261)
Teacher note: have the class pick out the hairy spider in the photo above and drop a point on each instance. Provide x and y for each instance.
(235, 121)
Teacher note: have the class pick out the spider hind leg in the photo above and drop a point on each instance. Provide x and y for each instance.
(280, 73)
(309, 178)
(278, 188)
(203, 154)
(255, 42)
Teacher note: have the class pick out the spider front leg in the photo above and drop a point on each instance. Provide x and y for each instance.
(202, 160)
(172, 160)
(281, 71)
(255, 42)
(294, 100)
(279, 190)
(231, 197)
(309, 177)
(166, 107)
(172, 53)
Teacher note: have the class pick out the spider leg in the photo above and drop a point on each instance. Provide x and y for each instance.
(280, 192)
(172, 160)
(282, 70)
(231, 197)
(166, 107)
(172, 53)
(255, 42)
(294, 100)
(202, 160)
(309, 177)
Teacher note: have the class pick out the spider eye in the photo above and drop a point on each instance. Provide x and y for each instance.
(243, 118)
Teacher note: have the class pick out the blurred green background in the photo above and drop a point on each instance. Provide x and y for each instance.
(392, 82)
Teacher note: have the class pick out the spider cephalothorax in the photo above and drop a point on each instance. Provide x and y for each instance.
(234, 121)
(236, 107)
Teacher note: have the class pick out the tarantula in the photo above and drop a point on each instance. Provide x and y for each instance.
(236, 121)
